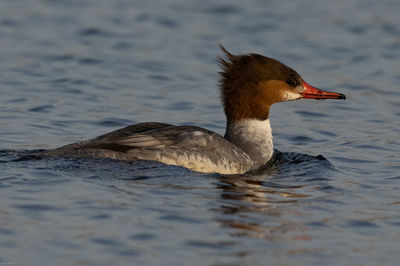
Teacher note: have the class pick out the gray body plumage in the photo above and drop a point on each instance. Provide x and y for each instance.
(188, 146)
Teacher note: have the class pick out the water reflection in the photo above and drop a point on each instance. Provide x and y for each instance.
(261, 205)
(253, 204)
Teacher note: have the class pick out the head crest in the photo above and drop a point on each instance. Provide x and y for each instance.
(230, 56)
(226, 61)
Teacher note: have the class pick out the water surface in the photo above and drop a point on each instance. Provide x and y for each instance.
(72, 70)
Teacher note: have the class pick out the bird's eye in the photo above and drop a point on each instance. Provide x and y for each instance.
(292, 82)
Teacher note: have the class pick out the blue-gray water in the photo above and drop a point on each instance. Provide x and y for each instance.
(72, 70)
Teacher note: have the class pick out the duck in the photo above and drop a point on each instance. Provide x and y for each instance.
(249, 85)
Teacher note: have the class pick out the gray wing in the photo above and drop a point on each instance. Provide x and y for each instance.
(153, 135)
(149, 136)
(189, 146)
(133, 129)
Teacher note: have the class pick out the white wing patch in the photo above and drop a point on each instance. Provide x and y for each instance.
(197, 133)
(197, 138)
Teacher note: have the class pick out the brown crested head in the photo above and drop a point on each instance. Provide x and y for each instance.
(251, 83)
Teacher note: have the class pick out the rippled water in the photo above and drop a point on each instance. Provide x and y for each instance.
(72, 70)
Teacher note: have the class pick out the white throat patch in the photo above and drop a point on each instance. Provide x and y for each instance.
(291, 96)
(254, 137)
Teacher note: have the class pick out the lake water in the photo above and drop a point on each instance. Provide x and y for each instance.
(71, 70)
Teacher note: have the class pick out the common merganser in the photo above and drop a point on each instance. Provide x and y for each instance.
(249, 85)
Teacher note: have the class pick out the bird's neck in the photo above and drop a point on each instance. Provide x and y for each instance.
(253, 136)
